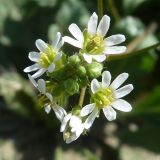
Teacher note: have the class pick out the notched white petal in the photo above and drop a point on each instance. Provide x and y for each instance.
(56, 40)
(106, 79)
(114, 40)
(34, 56)
(103, 25)
(109, 113)
(87, 109)
(115, 50)
(41, 45)
(72, 41)
(92, 24)
(31, 68)
(89, 121)
(41, 86)
(65, 121)
(119, 80)
(94, 85)
(123, 91)
(59, 111)
(76, 32)
(32, 80)
(39, 73)
(122, 105)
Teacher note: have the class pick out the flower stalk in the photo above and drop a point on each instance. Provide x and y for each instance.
(82, 95)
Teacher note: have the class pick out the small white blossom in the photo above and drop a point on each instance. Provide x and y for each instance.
(46, 59)
(41, 86)
(107, 97)
(72, 127)
(92, 43)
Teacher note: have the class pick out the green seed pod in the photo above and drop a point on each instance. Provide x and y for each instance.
(94, 69)
(74, 60)
(71, 86)
(81, 71)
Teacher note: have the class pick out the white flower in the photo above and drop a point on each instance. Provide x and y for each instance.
(92, 43)
(72, 127)
(107, 97)
(41, 86)
(46, 59)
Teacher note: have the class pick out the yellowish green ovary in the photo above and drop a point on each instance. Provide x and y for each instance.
(103, 97)
(47, 57)
(93, 44)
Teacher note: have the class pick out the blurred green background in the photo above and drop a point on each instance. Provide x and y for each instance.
(28, 133)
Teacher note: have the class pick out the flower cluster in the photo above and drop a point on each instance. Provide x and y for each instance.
(68, 77)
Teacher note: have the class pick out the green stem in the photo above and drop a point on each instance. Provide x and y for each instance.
(100, 8)
(130, 54)
(81, 98)
(114, 10)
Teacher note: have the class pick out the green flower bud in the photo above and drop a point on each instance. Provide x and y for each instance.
(94, 69)
(81, 71)
(74, 60)
(71, 86)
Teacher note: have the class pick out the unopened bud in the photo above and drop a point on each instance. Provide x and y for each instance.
(81, 71)
(71, 86)
(74, 60)
(94, 69)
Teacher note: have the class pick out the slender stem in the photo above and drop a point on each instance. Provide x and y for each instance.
(82, 94)
(100, 8)
(114, 10)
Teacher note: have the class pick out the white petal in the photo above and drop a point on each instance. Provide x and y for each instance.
(31, 68)
(122, 105)
(89, 121)
(34, 56)
(87, 57)
(114, 40)
(65, 121)
(120, 79)
(94, 85)
(59, 45)
(72, 41)
(103, 25)
(41, 45)
(106, 79)
(76, 32)
(123, 91)
(49, 96)
(115, 50)
(51, 68)
(79, 130)
(47, 109)
(56, 40)
(59, 111)
(99, 58)
(32, 80)
(92, 24)
(41, 86)
(75, 122)
(39, 73)
(58, 56)
(87, 109)
(109, 113)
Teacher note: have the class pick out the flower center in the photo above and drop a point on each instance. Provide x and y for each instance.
(47, 57)
(93, 44)
(103, 97)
